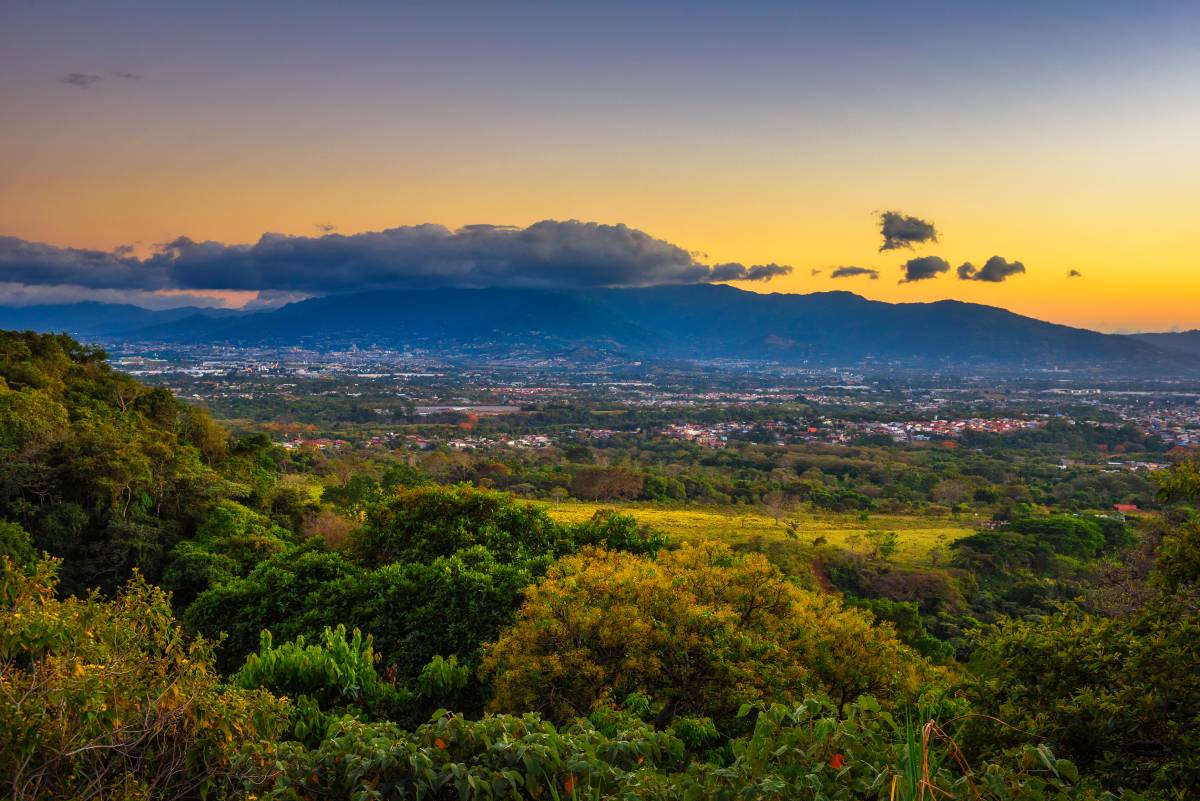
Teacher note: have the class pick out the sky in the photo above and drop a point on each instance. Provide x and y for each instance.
(258, 152)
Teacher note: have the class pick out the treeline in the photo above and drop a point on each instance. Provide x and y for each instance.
(859, 478)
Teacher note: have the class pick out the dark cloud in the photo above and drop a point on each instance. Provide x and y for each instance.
(325, 228)
(740, 272)
(815, 272)
(994, 270)
(128, 76)
(81, 79)
(37, 264)
(923, 268)
(851, 272)
(549, 254)
(1074, 274)
(902, 231)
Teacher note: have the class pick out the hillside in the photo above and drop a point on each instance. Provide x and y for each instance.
(1183, 342)
(91, 319)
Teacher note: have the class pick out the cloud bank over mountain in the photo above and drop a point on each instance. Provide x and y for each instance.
(547, 254)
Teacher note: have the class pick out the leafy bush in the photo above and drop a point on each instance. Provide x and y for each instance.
(810, 751)
(336, 675)
(16, 545)
(110, 699)
(910, 628)
(496, 757)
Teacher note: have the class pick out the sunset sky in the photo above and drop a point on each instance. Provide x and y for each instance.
(1063, 135)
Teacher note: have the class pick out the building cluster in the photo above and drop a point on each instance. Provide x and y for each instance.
(318, 443)
(475, 442)
(716, 435)
(922, 430)
(1174, 426)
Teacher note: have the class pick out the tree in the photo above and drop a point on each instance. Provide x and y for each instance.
(1178, 563)
(951, 491)
(699, 631)
(615, 531)
(883, 544)
(775, 503)
(419, 524)
(605, 484)
(230, 541)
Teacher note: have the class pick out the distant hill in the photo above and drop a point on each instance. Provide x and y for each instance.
(90, 319)
(1185, 342)
(688, 322)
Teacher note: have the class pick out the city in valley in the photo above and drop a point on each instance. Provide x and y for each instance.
(376, 398)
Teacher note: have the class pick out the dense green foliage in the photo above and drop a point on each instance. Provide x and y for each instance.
(1119, 696)
(811, 750)
(100, 469)
(345, 624)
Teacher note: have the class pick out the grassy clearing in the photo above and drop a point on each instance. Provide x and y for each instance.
(918, 535)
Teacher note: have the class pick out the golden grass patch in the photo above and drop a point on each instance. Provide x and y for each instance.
(919, 536)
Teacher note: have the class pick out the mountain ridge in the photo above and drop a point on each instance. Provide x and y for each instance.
(690, 321)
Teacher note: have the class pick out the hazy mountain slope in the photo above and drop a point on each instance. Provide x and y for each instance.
(692, 321)
(98, 320)
(1187, 342)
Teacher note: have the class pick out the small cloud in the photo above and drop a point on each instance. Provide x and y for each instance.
(815, 272)
(994, 270)
(923, 268)
(902, 231)
(766, 272)
(740, 272)
(325, 228)
(82, 80)
(128, 76)
(851, 272)
(1074, 274)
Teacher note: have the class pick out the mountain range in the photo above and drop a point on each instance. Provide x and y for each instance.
(702, 321)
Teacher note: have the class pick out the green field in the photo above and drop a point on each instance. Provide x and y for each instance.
(918, 535)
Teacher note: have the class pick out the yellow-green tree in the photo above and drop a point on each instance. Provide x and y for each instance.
(109, 699)
(699, 632)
